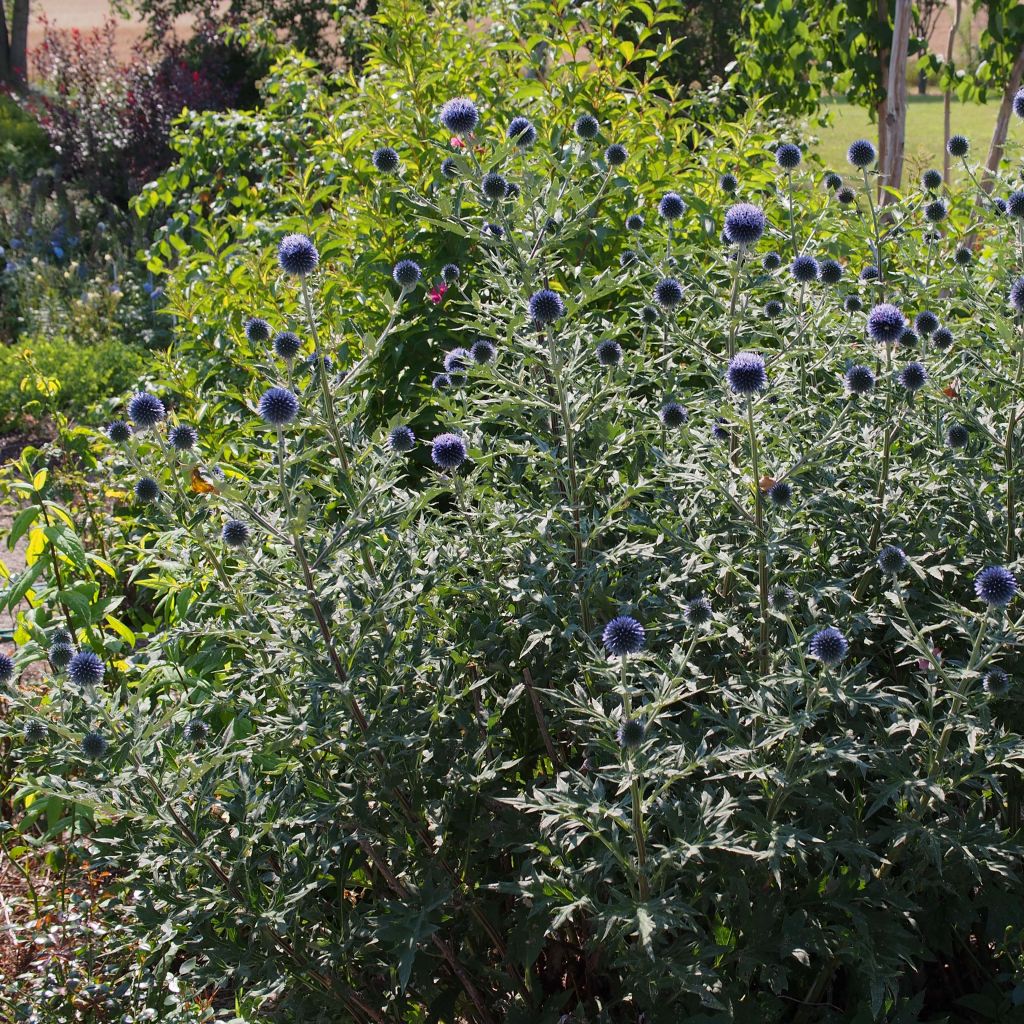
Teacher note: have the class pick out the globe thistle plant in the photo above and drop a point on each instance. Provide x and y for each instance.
(448, 452)
(35, 732)
(913, 377)
(1016, 296)
(830, 272)
(147, 490)
(287, 345)
(942, 339)
(852, 304)
(615, 155)
(460, 116)
(235, 533)
(957, 436)
(609, 352)
(958, 145)
(672, 415)
(635, 222)
(546, 306)
(892, 560)
(886, 323)
(869, 273)
(926, 322)
(278, 406)
(649, 315)
(996, 586)
(744, 224)
(146, 410)
(450, 273)
(859, 380)
(441, 382)
(522, 132)
(935, 211)
(773, 309)
(118, 431)
(586, 127)
(832, 181)
(94, 745)
(931, 180)
(86, 669)
(668, 293)
(195, 731)
(804, 269)
(631, 733)
(297, 255)
(401, 439)
(788, 156)
(1015, 203)
(698, 611)
(996, 682)
(1018, 103)
(780, 493)
(60, 654)
(183, 437)
(861, 153)
(771, 262)
(728, 183)
(829, 646)
(493, 186)
(963, 257)
(623, 636)
(746, 374)
(845, 196)
(6, 668)
(406, 274)
(257, 330)
(385, 159)
(671, 206)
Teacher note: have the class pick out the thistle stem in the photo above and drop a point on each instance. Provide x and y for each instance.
(877, 237)
(762, 555)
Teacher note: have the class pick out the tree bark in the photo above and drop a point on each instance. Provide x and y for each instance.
(882, 110)
(14, 45)
(896, 117)
(998, 143)
(947, 99)
(5, 46)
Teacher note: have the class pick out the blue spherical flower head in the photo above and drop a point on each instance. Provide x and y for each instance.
(885, 323)
(1015, 203)
(278, 406)
(859, 380)
(1018, 103)
(935, 211)
(958, 145)
(926, 322)
(829, 646)
(913, 377)
(931, 180)
(995, 586)
(401, 439)
(963, 256)
(718, 431)
(297, 255)
(586, 127)
(728, 183)
(668, 293)
(908, 339)
(146, 410)
(235, 533)
(892, 560)
(147, 490)
(441, 382)
(996, 682)
(450, 273)
(522, 132)
(622, 636)
(615, 155)
(385, 159)
(773, 309)
(460, 116)
(629, 258)
(448, 452)
(869, 273)
(780, 493)
(1017, 295)
(195, 731)
(804, 269)
(456, 361)
(6, 668)
(832, 181)
(609, 352)
(118, 431)
(698, 611)
(406, 274)
(780, 597)
(942, 339)
(257, 330)
(746, 373)
(771, 261)
(635, 222)
(86, 669)
(94, 746)
(546, 306)
(60, 654)
(673, 415)
(631, 733)
(861, 153)
(35, 732)
(830, 271)
(957, 436)
(482, 351)
(287, 345)
(852, 304)
(671, 206)
(494, 186)
(449, 168)
(1000, 205)
(788, 156)
(845, 195)
(649, 315)
(744, 224)
(183, 437)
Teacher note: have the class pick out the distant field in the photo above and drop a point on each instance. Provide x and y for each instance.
(924, 131)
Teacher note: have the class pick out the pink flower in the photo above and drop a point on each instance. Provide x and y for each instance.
(457, 143)
(436, 293)
(924, 664)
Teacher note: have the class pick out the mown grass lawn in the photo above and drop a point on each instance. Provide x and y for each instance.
(924, 131)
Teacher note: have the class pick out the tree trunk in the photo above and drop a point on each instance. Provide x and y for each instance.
(947, 99)
(896, 117)
(5, 47)
(18, 59)
(882, 110)
(995, 149)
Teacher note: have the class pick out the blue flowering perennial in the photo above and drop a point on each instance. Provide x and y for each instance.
(615, 155)
(448, 452)
(804, 269)
(586, 127)
(832, 181)
(1015, 203)
(671, 206)
(744, 224)
(522, 132)
(780, 493)
(746, 374)
(931, 180)
(830, 271)
(852, 304)
(957, 436)
(35, 731)
(287, 345)
(118, 431)
(908, 339)
(861, 153)
(1017, 295)
(6, 668)
(649, 315)
(609, 352)
(845, 196)
(1000, 205)
(672, 415)
(885, 322)
(771, 261)
(297, 255)
(926, 322)
(963, 257)
(728, 183)
(86, 669)
(449, 168)
(278, 406)
(546, 306)
(668, 293)
(780, 597)
(441, 382)
(623, 636)
(460, 116)
(773, 309)
(719, 432)
(942, 338)
(456, 361)
(913, 377)
(494, 186)
(698, 611)
(450, 273)
(60, 654)
(995, 586)
(195, 731)
(935, 211)
(482, 351)
(892, 560)
(996, 682)
(829, 646)
(235, 533)
(183, 437)
(629, 258)
(385, 159)
(859, 380)
(94, 746)
(788, 156)
(1018, 103)
(635, 222)
(257, 330)
(406, 274)
(958, 145)
(401, 439)
(631, 733)
(146, 410)
(147, 490)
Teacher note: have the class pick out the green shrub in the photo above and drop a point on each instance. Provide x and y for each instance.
(419, 788)
(24, 148)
